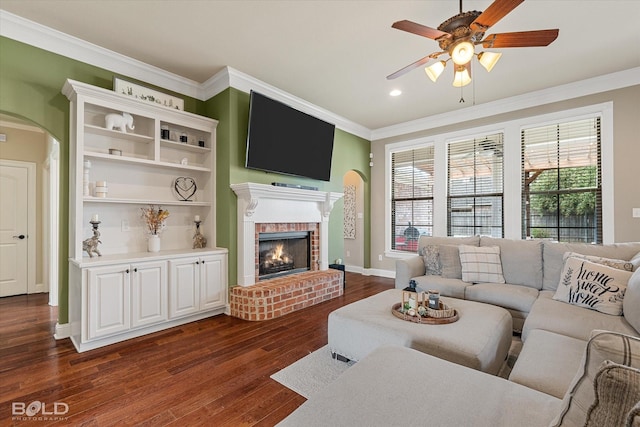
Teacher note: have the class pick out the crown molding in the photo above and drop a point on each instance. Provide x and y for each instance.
(581, 88)
(40, 36)
(246, 83)
(34, 34)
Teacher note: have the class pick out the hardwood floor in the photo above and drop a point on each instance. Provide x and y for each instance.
(211, 372)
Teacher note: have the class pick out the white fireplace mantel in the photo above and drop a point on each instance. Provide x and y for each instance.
(263, 203)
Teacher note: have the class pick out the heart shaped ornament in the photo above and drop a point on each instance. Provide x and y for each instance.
(185, 188)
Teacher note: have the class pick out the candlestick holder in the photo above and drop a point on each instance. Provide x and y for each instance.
(199, 241)
(91, 244)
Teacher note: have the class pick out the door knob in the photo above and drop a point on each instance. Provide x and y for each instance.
(22, 236)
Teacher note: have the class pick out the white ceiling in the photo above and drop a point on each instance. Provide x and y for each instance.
(337, 54)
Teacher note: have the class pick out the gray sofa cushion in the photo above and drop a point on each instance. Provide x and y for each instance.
(385, 389)
(447, 287)
(450, 261)
(631, 301)
(571, 320)
(543, 367)
(553, 252)
(521, 260)
(519, 298)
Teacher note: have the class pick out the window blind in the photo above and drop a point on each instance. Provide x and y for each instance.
(475, 187)
(562, 181)
(411, 197)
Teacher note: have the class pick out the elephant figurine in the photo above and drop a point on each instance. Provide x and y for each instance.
(119, 121)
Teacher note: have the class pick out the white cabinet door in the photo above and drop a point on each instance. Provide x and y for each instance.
(148, 293)
(213, 273)
(108, 310)
(184, 289)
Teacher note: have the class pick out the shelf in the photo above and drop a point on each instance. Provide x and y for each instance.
(126, 159)
(183, 146)
(113, 200)
(97, 130)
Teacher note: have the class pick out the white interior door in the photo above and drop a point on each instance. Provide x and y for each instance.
(14, 231)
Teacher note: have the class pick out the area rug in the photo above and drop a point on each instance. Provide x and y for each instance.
(313, 372)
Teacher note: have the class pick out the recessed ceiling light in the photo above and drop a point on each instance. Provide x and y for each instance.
(395, 92)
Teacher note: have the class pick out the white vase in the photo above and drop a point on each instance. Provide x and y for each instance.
(153, 243)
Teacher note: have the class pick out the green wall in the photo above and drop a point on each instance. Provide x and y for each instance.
(31, 81)
(231, 108)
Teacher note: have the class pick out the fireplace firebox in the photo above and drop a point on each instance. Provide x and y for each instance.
(283, 253)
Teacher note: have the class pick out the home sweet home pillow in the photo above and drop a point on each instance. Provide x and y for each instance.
(594, 286)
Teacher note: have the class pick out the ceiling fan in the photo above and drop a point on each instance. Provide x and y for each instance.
(459, 35)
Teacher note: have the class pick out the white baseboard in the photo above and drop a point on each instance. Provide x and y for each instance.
(391, 274)
(62, 331)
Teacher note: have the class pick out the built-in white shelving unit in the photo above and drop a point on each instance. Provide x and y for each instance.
(129, 291)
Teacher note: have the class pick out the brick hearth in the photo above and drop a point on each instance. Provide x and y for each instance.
(276, 297)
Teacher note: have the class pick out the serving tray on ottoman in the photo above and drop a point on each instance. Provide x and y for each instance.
(479, 339)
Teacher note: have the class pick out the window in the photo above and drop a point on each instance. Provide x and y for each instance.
(411, 197)
(475, 187)
(562, 181)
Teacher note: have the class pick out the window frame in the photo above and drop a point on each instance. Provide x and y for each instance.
(512, 170)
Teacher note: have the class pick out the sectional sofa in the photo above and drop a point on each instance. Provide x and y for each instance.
(580, 359)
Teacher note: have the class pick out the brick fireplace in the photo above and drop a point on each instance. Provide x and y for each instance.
(266, 209)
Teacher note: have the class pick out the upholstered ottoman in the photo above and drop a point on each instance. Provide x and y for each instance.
(479, 339)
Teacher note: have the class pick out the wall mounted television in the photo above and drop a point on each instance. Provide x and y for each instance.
(284, 140)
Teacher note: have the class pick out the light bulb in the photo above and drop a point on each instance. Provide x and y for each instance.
(461, 76)
(462, 53)
(488, 59)
(434, 70)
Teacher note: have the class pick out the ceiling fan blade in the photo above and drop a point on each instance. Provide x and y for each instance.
(520, 39)
(419, 29)
(410, 67)
(495, 12)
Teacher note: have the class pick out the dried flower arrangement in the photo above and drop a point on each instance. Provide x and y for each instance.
(155, 218)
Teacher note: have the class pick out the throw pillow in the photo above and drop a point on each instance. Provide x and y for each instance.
(450, 262)
(620, 264)
(590, 285)
(603, 345)
(617, 389)
(481, 264)
(431, 257)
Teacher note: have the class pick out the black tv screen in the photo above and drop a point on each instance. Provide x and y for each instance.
(284, 140)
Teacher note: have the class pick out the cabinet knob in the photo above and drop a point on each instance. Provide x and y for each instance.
(135, 270)
(197, 262)
(127, 271)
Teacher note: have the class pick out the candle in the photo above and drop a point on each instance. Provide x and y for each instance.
(94, 218)
(196, 218)
(101, 183)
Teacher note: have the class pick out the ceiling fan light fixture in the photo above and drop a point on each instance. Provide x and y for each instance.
(488, 59)
(434, 70)
(461, 76)
(462, 52)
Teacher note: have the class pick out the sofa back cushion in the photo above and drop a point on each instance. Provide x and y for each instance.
(521, 260)
(580, 397)
(448, 255)
(553, 253)
(438, 240)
